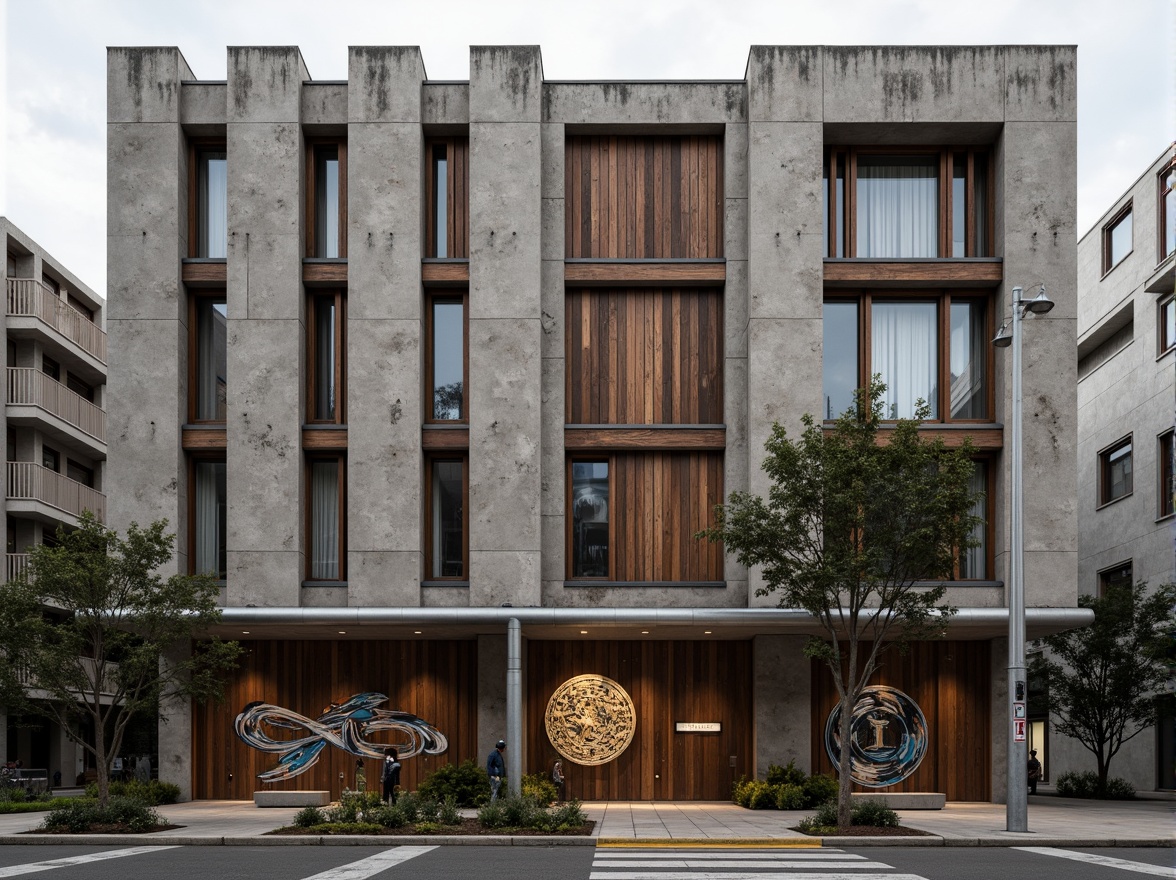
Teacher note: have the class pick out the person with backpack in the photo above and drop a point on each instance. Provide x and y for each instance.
(390, 777)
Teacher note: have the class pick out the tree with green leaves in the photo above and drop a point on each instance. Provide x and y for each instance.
(1102, 681)
(863, 522)
(84, 631)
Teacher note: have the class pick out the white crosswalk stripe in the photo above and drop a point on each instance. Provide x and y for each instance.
(738, 864)
(373, 864)
(1104, 861)
(49, 865)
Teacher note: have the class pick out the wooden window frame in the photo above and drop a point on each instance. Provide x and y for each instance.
(430, 550)
(431, 299)
(194, 297)
(341, 493)
(1106, 576)
(456, 196)
(197, 146)
(943, 299)
(1162, 188)
(1104, 471)
(1163, 344)
(1107, 232)
(569, 567)
(847, 157)
(213, 457)
(1166, 474)
(313, 295)
(313, 146)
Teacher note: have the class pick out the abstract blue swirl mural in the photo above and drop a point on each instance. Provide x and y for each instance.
(342, 725)
(888, 737)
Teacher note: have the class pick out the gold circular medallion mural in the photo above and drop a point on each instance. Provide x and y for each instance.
(590, 719)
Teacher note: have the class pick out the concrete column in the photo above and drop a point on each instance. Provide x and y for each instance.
(783, 703)
(506, 372)
(784, 249)
(1000, 722)
(265, 325)
(146, 237)
(384, 331)
(175, 732)
(737, 456)
(492, 720)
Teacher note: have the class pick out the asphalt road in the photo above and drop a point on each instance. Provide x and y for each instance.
(580, 863)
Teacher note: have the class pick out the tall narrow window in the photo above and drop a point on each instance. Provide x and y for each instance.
(974, 561)
(1166, 325)
(326, 519)
(327, 199)
(898, 206)
(833, 192)
(1115, 471)
(447, 364)
(326, 319)
(980, 209)
(1166, 470)
(590, 532)
(447, 519)
(840, 359)
(1167, 212)
(1117, 239)
(210, 359)
(906, 352)
(212, 204)
(209, 519)
(967, 355)
(440, 201)
(959, 205)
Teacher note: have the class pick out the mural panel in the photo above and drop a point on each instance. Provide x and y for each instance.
(590, 719)
(888, 737)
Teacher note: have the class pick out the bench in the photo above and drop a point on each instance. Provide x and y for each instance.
(291, 798)
(905, 800)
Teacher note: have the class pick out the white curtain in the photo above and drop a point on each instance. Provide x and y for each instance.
(216, 206)
(967, 354)
(974, 561)
(209, 516)
(324, 525)
(905, 351)
(897, 208)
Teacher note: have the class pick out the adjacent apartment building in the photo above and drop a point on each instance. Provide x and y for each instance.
(1126, 402)
(55, 424)
(441, 378)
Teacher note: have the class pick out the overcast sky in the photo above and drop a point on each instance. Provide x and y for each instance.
(52, 129)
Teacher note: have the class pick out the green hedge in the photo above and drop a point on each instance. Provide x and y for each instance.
(786, 788)
(871, 813)
(1085, 785)
(154, 792)
(33, 806)
(466, 784)
(79, 815)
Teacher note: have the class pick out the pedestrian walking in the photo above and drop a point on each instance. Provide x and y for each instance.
(390, 777)
(496, 768)
(1034, 771)
(360, 776)
(557, 777)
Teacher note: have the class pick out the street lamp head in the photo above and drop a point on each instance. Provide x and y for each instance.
(1004, 336)
(1040, 304)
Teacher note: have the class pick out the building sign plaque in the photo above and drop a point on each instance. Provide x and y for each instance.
(698, 727)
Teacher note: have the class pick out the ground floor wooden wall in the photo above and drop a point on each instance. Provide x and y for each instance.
(436, 680)
(668, 682)
(951, 683)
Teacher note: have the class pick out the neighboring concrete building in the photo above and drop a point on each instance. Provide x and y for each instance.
(441, 378)
(56, 430)
(1126, 402)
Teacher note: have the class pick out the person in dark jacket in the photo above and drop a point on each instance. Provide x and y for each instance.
(1034, 772)
(496, 768)
(390, 777)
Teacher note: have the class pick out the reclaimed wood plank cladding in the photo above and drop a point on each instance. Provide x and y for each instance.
(644, 357)
(436, 680)
(644, 197)
(668, 682)
(950, 681)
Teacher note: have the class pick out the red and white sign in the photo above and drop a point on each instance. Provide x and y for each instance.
(1019, 730)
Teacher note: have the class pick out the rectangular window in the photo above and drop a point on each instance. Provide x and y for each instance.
(51, 368)
(326, 321)
(446, 199)
(590, 533)
(1166, 470)
(1166, 325)
(440, 211)
(974, 561)
(80, 388)
(1117, 239)
(327, 200)
(327, 509)
(916, 204)
(79, 473)
(1115, 471)
(1167, 212)
(209, 518)
(1115, 577)
(933, 350)
(446, 515)
(50, 459)
(447, 363)
(209, 353)
(211, 204)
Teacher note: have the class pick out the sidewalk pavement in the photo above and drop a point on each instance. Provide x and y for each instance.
(1053, 821)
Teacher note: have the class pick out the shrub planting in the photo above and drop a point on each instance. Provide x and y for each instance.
(466, 783)
(786, 788)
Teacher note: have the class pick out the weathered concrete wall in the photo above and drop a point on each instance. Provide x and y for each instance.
(505, 325)
(783, 699)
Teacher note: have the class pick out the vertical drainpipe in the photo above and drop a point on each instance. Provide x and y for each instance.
(514, 706)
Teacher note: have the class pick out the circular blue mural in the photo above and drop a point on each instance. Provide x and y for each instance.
(888, 737)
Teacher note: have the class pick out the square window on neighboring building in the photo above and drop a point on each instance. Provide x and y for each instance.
(327, 490)
(50, 459)
(1117, 242)
(1166, 325)
(1115, 577)
(209, 518)
(1167, 212)
(1166, 471)
(210, 203)
(1115, 469)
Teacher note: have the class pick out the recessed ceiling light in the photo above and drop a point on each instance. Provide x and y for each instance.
(244, 632)
(342, 632)
(416, 632)
(706, 632)
(583, 632)
(644, 632)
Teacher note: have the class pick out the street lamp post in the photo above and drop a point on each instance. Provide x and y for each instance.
(1017, 796)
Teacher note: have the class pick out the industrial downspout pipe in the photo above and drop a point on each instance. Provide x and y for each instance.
(514, 706)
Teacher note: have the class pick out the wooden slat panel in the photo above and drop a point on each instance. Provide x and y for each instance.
(324, 273)
(644, 197)
(877, 273)
(983, 437)
(445, 274)
(319, 439)
(213, 274)
(205, 438)
(645, 273)
(576, 439)
(668, 682)
(433, 679)
(644, 357)
(950, 681)
(445, 438)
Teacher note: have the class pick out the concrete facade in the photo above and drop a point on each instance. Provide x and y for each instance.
(1126, 388)
(775, 123)
(56, 430)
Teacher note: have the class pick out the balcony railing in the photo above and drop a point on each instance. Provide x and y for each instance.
(14, 565)
(28, 297)
(31, 482)
(32, 387)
